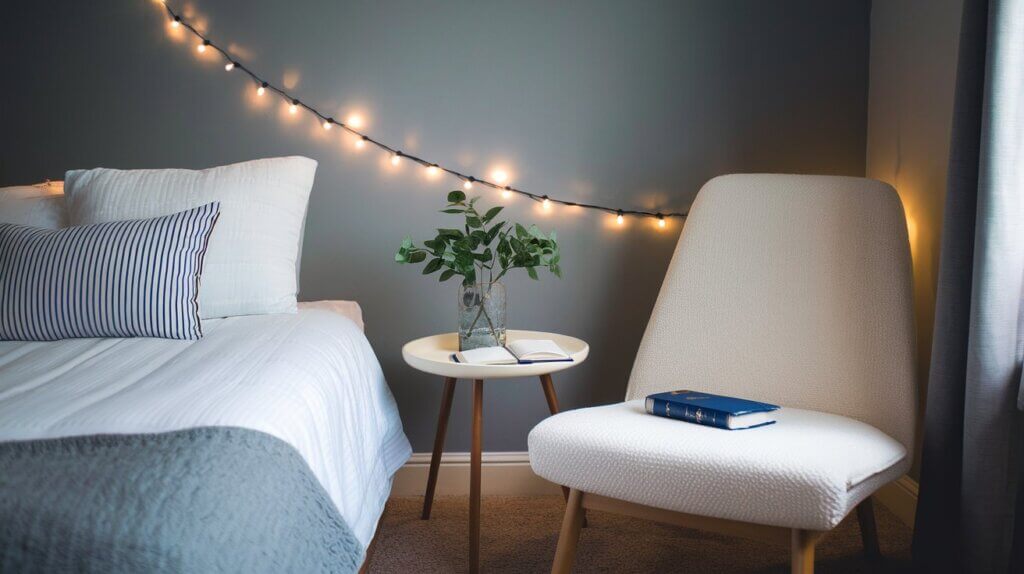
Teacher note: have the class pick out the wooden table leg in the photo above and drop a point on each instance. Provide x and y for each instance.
(474, 477)
(549, 394)
(435, 458)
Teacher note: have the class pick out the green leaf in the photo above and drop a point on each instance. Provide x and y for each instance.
(434, 265)
(417, 256)
(448, 274)
(452, 210)
(407, 243)
(492, 212)
(474, 222)
(450, 232)
(456, 196)
(532, 273)
(521, 231)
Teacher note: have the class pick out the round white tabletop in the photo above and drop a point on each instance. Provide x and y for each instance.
(433, 355)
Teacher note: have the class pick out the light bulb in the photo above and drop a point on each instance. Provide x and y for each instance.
(431, 170)
(354, 120)
(294, 108)
(262, 89)
(661, 221)
(327, 124)
(176, 22)
(546, 204)
(201, 47)
(506, 194)
(467, 185)
(229, 66)
(361, 142)
(396, 159)
(619, 219)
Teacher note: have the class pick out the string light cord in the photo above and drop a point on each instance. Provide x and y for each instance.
(231, 63)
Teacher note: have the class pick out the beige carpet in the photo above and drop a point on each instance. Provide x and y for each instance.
(519, 535)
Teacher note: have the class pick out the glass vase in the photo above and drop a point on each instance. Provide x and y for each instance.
(481, 315)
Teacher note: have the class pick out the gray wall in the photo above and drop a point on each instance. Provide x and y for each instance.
(910, 114)
(629, 103)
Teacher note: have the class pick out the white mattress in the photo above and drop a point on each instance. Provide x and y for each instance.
(310, 379)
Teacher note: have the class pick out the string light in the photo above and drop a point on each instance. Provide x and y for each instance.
(354, 124)
(354, 120)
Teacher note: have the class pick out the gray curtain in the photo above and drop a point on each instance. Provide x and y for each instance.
(970, 514)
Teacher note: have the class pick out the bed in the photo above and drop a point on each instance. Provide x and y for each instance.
(306, 384)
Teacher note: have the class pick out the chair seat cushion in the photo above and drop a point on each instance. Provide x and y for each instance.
(806, 471)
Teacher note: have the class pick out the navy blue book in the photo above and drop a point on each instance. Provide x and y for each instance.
(707, 409)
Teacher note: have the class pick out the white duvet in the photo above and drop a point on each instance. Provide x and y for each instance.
(310, 379)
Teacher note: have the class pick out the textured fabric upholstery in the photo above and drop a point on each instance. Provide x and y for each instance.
(791, 289)
(807, 471)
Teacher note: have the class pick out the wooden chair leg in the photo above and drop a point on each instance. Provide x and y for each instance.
(802, 552)
(552, 398)
(435, 458)
(868, 529)
(569, 537)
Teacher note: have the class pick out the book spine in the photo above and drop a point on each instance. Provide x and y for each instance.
(690, 414)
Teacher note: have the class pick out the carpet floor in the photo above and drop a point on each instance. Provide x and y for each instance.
(520, 534)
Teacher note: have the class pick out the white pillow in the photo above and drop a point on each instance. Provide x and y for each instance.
(34, 205)
(250, 265)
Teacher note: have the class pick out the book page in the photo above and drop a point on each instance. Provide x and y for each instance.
(537, 349)
(487, 356)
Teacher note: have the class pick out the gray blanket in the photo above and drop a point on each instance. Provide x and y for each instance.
(201, 500)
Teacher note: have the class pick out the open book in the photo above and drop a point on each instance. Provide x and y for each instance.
(520, 351)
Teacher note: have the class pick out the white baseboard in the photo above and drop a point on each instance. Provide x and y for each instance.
(509, 474)
(502, 473)
(900, 497)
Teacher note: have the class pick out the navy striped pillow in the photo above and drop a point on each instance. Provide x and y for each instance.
(119, 279)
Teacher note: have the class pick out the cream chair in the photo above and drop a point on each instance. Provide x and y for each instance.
(789, 289)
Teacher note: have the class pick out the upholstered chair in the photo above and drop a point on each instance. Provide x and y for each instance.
(789, 289)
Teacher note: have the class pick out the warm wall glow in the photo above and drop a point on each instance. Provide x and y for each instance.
(354, 121)
(360, 143)
(499, 176)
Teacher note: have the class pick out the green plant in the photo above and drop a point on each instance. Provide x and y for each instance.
(482, 250)
(477, 251)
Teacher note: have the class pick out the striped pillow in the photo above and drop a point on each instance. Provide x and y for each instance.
(119, 279)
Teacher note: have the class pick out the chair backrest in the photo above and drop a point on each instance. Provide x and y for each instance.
(792, 289)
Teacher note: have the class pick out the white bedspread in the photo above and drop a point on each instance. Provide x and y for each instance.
(310, 379)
